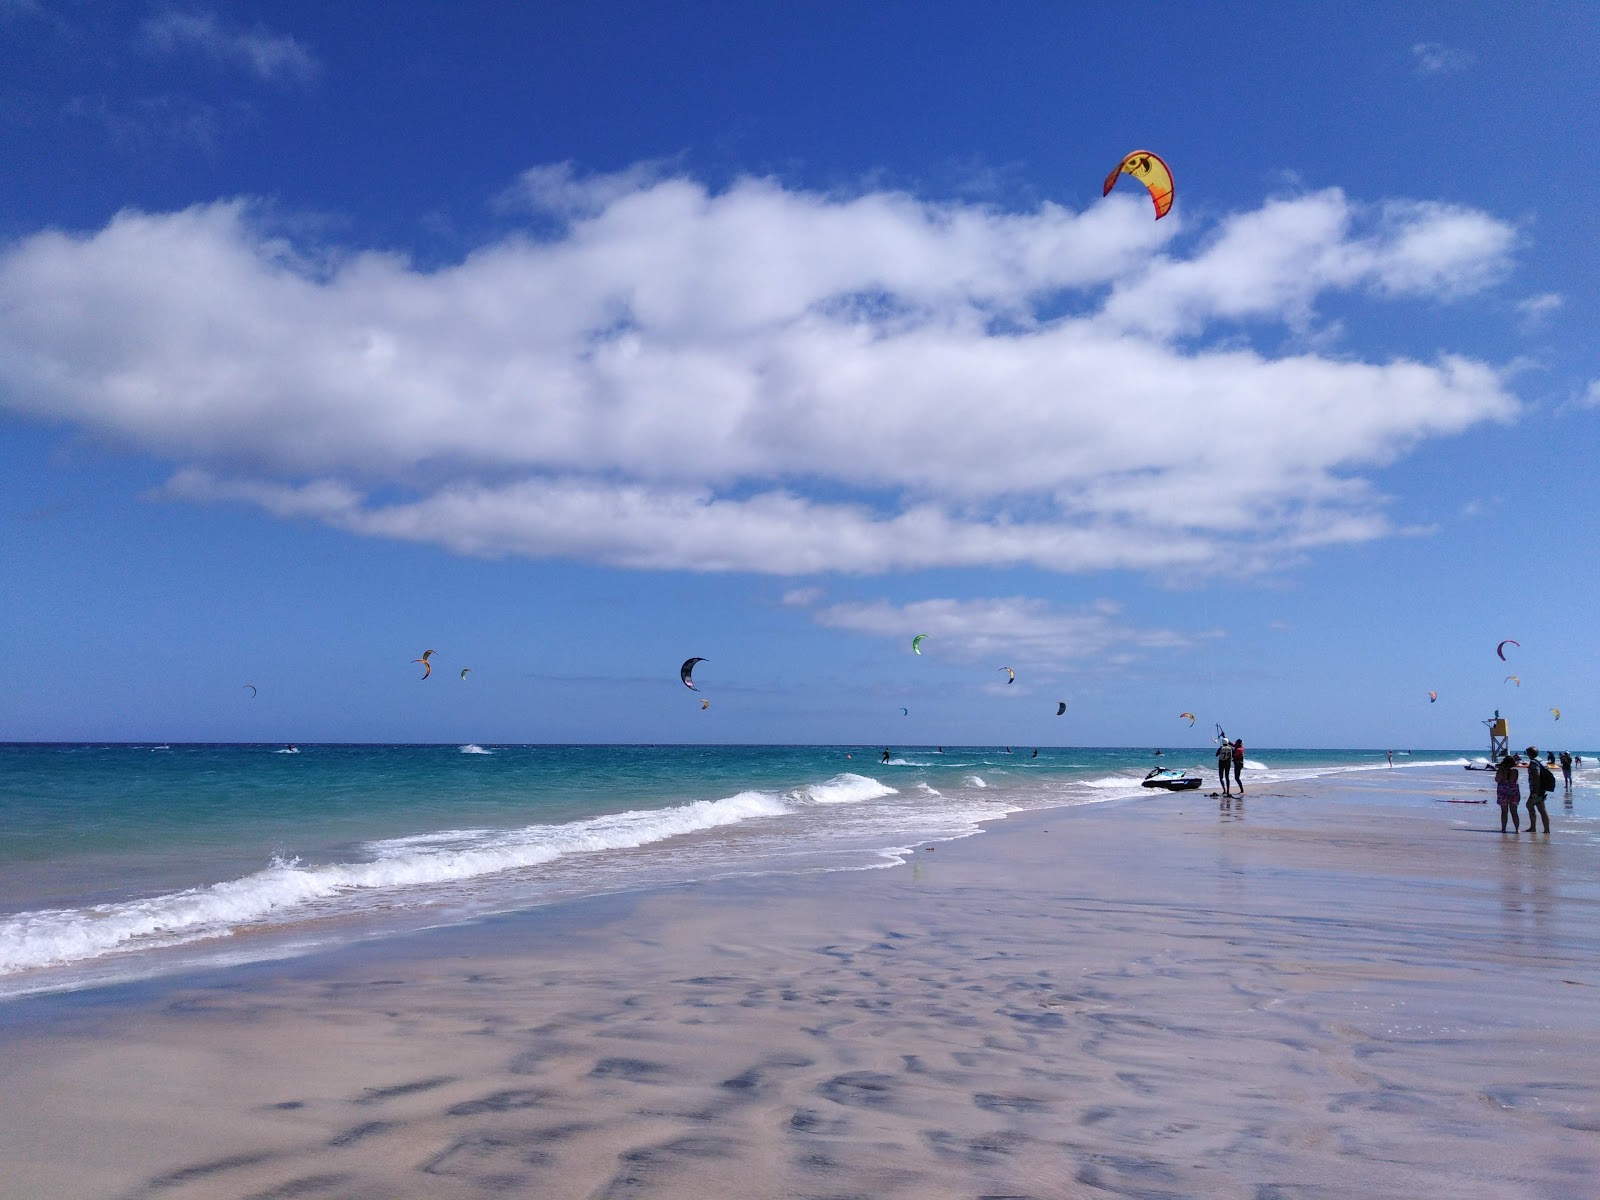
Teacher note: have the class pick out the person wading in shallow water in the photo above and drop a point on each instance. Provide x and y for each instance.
(1508, 793)
(1238, 764)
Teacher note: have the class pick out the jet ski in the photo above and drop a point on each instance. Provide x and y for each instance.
(1172, 781)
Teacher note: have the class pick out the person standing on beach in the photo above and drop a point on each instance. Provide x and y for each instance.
(1540, 782)
(1508, 793)
(1238, 764)
(1566, 769)
(1224, 762)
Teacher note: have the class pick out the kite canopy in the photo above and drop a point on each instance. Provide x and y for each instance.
(1061, 707)
(252, 688)
(1011, 676)
(1432, 696)
(1512, 679)
(687, 670)
(1149, 170)
(465, 671)
(704, 704)
(905, 712)
(1190, 716)
(1501, 648)
(916, 643)
(1557, 712)
(427, 667)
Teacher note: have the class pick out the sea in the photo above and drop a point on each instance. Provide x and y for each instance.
(122, 861)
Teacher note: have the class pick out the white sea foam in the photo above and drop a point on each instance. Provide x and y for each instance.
(57, 936)
(470, 748)
(843, 789)
(976, 781)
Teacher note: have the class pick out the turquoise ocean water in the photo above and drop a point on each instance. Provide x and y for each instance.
(121, 861)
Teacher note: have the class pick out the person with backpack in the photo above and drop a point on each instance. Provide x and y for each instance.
(1566, 769)
(1540, 784)
(1224, 763)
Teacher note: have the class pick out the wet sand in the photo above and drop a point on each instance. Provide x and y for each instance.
(1338, 989)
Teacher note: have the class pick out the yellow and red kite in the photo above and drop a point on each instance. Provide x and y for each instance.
(1149, 170)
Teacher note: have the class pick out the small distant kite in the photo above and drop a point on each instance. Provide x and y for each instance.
(1061, 708)
(905, 712)
(1190, 716)
(1011, 676)
(1149, 170)
(1557, 712)
(916, 643)
(252, 688)
(427, 667)
(1512, 679)
(704, 704)
(1501, 648)
(1433, 697)
(465, 671)
(685, 671)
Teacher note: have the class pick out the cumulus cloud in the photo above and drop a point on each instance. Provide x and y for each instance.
(765, 379)
(266, 55)
(1435, 58)
(1028, 629)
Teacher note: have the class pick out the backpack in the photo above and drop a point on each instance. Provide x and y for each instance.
(1547, 781)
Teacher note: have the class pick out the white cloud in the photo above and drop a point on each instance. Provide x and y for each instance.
(267, 55)
(802, 597)
(765, 379)
(1435, 58)
(1536, 310)
(1591, 397)
(1029, 630)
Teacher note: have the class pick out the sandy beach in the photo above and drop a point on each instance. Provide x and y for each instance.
(1341, 988)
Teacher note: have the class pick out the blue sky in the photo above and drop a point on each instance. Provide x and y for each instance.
(570, 341)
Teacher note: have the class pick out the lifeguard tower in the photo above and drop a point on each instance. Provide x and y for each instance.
(1499, 737)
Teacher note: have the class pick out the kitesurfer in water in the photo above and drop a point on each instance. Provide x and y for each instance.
(1508, 793)
(885, 754)
(1035, 752)
(1224, 762)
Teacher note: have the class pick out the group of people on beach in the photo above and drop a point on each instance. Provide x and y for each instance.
(1541, 782)
(1230, 756)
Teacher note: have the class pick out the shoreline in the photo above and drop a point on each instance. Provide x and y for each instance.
(1167, 997)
